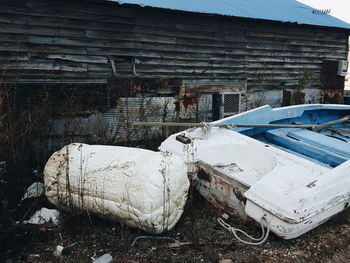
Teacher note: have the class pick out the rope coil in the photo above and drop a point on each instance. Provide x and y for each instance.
(256, 241)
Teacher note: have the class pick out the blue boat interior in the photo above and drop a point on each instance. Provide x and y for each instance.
(329, 146)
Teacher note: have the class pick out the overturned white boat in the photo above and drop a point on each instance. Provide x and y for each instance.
(140, 188)
(289, 166)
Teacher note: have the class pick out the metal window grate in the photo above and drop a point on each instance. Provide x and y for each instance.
(231, 103)
(204, 110)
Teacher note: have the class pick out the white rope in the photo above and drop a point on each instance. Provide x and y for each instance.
(206, 128)
(235, 231)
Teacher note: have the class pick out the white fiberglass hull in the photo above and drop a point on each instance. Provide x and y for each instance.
(294, 194)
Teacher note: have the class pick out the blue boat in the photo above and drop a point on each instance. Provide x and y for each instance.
(287, 168)
(329, 146)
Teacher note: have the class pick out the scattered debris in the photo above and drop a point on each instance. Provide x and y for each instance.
(151, 237)
(180, 245)
(61, 250)
(106, 258)
(225, 216)
(33, 256)
(34, 190)
(43, 216)
(58, 251)
(201, 240)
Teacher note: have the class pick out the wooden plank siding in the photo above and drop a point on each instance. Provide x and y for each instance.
(74, 42)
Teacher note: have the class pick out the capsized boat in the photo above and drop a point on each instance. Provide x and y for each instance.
(287, 168)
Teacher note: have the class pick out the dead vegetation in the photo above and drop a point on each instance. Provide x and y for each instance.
(196, 238)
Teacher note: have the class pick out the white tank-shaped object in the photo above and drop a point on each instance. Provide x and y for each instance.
(138, 187)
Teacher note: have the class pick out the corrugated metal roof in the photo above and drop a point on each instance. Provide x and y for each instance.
(277, 10)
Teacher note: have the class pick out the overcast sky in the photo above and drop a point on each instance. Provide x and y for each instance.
(339, 8)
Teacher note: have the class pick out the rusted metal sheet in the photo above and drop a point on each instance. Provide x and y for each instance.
(286, 98)
(187, 99)
(189, 95)
(332, 84)
(199, 102)
(299, 98)
(332, 96)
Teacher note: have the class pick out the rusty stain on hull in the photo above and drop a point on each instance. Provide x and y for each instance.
(224, 195)
(203, 175)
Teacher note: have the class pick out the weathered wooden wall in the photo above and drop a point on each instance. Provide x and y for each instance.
(45, 42)
(92, 65)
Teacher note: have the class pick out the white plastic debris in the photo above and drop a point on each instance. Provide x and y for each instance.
(61, 250)
(106, 258)
(43, 216)
(225, 216)
(141, 188)
(58, 251)
(34, 190)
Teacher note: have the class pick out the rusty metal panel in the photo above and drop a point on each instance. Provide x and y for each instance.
(205, 102)
(286, 98)
(332, 84)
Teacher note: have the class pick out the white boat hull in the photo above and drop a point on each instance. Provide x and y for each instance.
(252, 179)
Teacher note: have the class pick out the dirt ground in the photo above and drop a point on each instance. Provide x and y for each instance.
(197, 237)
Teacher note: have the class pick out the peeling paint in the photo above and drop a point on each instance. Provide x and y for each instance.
(203, 175)
(222, 194)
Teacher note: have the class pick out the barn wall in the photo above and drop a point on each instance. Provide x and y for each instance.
(90, 47)
(75, 42)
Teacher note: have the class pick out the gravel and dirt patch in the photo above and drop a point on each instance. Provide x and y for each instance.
(197, 237)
